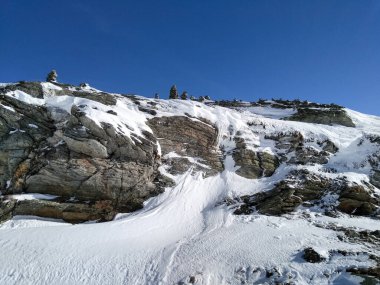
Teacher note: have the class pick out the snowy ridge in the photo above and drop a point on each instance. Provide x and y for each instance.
(188, 233)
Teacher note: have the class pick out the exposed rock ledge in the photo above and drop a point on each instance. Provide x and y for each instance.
(49, 151)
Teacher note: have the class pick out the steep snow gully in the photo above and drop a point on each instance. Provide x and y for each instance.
(189, 234)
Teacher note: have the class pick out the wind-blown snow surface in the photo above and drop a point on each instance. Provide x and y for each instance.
(187, 231)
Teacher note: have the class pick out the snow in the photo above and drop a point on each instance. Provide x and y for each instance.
(129, 120)
(16, 131)
(7, 107)
(24, 97)
(33, 126)
(273, 113)
(87, 87)
(187, 230)
(50, 86)
(365, 123)
(31, 196)
(31, 222)
(193, 160)
(6, 84)
(355, 156)
(360, 223)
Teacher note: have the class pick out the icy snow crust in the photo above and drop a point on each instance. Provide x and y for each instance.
(187, 231)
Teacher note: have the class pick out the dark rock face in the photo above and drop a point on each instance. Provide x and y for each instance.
(322, 116)
(188, 138)
(300, 186)
(101, 97)
(21, 131)
(253, 164)
(310, 255)
(69, 212)
(6, 209)
(304, 188)
(93, 164)
(32, 88)
(356, 200)
(309, 155)
(295, 142)
(287, 141)
(95, 170)
(50, 151)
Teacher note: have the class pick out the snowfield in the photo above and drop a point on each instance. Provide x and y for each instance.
(188, 235)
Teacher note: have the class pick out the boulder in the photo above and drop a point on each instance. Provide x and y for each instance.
(23, 128)
(310, 255)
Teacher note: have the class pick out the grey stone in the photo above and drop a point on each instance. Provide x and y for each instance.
(253, 164)
(69, 212)
(89, 147)
(188, 137)
(70, 156)
(322, 116)
(304, 188)
(310, 255)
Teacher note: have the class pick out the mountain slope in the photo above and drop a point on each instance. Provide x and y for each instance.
(231, 195)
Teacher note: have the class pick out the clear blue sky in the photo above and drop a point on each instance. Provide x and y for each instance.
(319, 50)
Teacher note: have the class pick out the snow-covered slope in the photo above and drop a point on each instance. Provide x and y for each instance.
(189, 234)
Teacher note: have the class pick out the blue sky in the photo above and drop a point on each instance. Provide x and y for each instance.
(318, 50)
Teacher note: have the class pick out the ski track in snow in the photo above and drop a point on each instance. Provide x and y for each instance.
(185, 231)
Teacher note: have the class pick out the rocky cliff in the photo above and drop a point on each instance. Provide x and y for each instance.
(93, 169)
(90, 169)
(245, 182)
(93, 154)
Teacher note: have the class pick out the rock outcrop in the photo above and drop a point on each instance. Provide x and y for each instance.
(253, 164)
(186, 137)
(356, 200)
(309, 155)
(96, 170)
(302, 187)
(322, 116)
(287, 142)
(50, 151)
